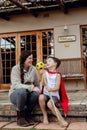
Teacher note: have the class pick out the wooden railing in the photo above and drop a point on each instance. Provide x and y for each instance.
(72, 68)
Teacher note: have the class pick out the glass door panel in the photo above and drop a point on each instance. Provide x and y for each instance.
(7, 58)
(28, 42)
(47, 44)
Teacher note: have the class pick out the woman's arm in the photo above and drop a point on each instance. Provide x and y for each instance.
(16, 80)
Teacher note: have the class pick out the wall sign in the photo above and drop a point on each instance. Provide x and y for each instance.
(68, 38)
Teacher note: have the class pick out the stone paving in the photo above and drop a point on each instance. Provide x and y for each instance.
(40, 126)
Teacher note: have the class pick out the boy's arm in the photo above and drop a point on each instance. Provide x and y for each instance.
(57, 86)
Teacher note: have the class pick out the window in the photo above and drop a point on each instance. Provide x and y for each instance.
(7, 57)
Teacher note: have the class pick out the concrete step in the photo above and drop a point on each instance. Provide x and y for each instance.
(77, 110)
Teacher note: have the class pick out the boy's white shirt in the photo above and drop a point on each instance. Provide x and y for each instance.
(50, 80)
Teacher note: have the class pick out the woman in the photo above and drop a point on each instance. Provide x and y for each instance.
(51, 80)
(24, 91)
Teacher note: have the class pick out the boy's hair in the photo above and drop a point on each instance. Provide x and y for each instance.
(56, 60)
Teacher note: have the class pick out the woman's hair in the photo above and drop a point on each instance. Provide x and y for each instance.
(56, 60)
(23, 57)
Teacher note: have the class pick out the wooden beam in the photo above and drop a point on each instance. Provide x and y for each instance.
(62, 6)
(24, 8)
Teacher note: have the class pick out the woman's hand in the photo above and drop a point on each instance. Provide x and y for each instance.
(37, 89)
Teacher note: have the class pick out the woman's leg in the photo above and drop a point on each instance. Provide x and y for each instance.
(32, 100)
(18, 98)
(42, 103)
(61, 119)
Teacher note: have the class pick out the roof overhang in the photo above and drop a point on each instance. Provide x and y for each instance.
(14, 7)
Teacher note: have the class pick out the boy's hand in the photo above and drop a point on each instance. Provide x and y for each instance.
(42, 71)
(49, 89)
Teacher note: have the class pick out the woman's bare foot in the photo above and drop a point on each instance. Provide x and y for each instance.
(45, 120)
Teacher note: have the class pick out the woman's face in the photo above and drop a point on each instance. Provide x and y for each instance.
(28, 61)
(50, 63)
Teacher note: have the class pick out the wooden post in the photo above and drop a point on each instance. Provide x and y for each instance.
(1, 70)
(86, 72)
(85, 62)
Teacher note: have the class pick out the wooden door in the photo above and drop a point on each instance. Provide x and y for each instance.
(11, 45)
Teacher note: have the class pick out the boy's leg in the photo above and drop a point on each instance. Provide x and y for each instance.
(42, 103)
(50, 106)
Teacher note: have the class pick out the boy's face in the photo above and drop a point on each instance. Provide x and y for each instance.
(50, 63)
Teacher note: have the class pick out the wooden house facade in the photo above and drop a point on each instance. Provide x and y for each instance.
(47, 27)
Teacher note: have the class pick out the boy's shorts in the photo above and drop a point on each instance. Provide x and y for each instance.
(55, 99)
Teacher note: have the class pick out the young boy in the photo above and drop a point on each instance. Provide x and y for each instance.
(51, 80)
